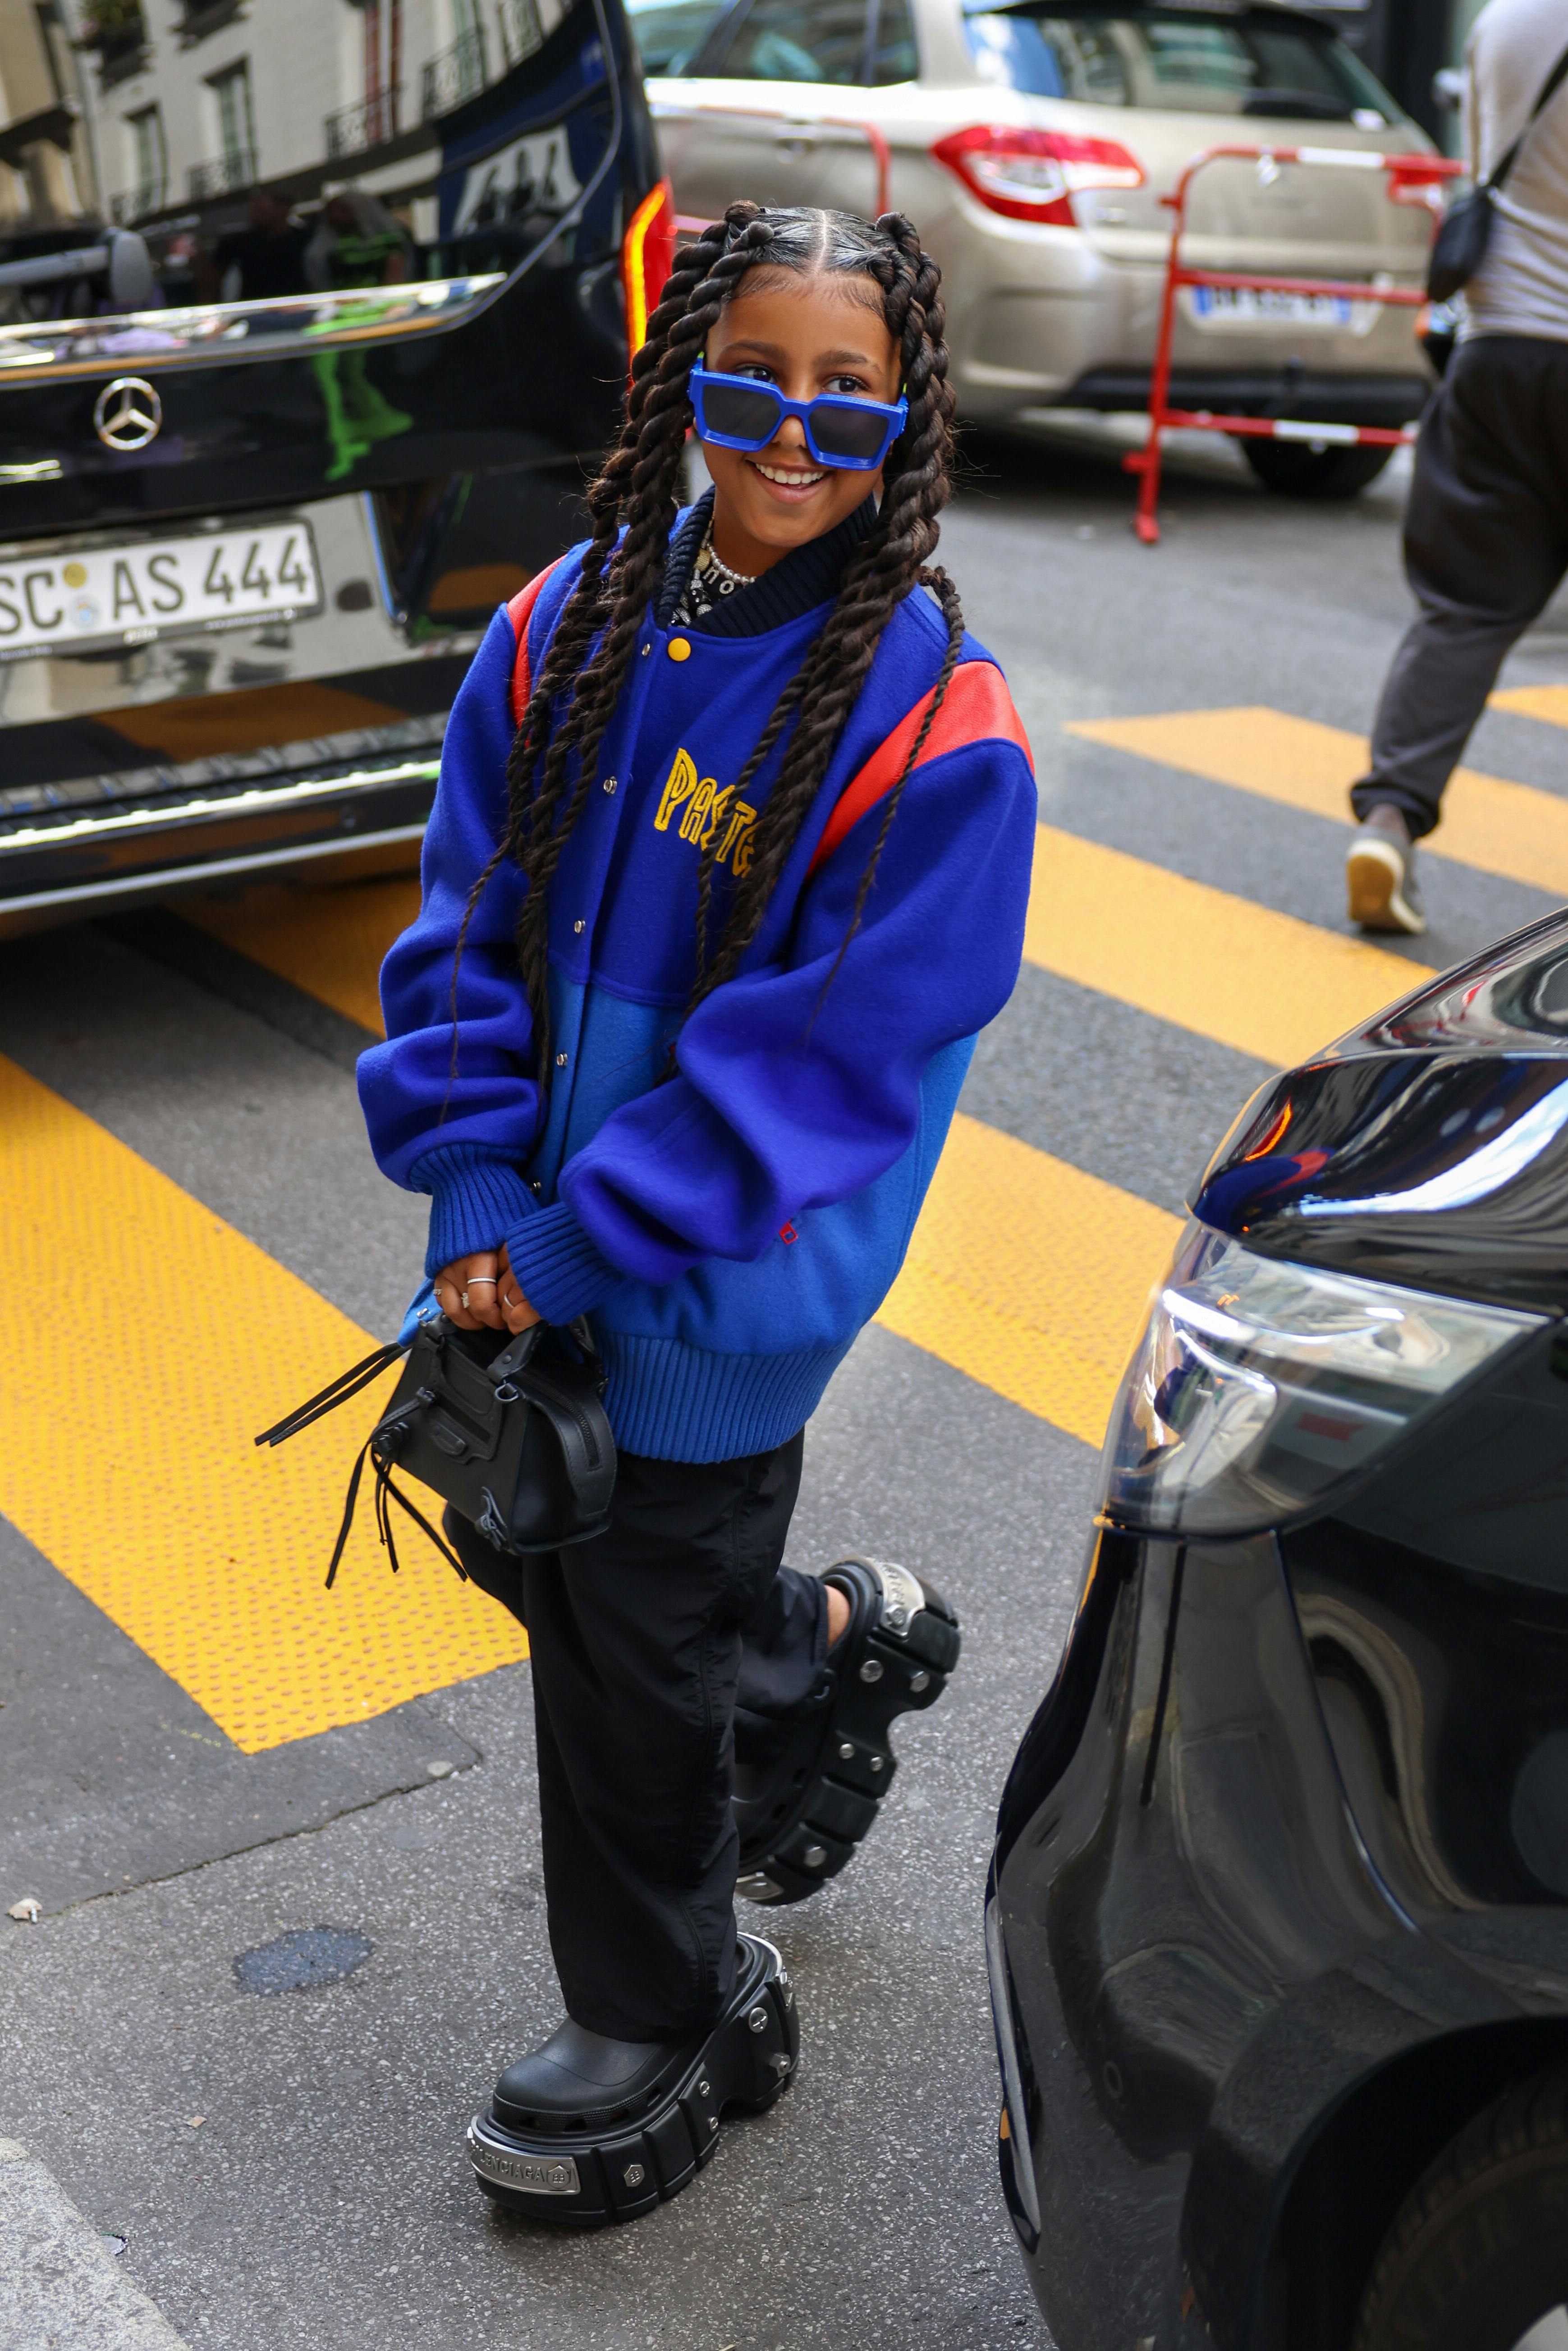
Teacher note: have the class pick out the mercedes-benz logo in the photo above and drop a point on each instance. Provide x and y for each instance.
(127, 413)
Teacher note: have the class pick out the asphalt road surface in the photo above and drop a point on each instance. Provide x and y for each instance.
(203, 1753)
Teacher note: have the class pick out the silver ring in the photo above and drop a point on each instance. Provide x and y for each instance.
(475, 1278)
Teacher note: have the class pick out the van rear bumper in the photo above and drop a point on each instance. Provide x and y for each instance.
(115, 857)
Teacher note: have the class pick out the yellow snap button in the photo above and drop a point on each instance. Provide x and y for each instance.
(679, 649)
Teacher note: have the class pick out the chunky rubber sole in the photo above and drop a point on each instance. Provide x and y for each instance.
(601, 2169)
(902, 1644)
(1374, 889)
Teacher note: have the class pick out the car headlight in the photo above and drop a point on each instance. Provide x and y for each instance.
(1260, 1387)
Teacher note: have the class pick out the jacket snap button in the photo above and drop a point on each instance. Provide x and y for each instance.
(679, 650)
(579, 927)
(560, 1061)
(611, 782)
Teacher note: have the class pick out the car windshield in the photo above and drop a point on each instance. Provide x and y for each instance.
(1178, 60)
(669, 33)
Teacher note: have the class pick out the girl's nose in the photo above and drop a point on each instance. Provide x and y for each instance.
(791, 436)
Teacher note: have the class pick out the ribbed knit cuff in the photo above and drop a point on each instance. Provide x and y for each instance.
(476, 1201)
(559, 1270)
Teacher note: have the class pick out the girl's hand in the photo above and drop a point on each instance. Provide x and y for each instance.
(519, 1314)
(466, 1292)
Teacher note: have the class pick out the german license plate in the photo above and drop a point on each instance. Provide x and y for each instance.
(128, 594)
(1258, 305)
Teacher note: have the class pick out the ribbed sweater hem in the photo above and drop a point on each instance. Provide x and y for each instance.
(678, 1403)
(560, 1270)
(476, 1199)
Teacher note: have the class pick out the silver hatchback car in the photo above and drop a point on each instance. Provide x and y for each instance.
(1033, 143)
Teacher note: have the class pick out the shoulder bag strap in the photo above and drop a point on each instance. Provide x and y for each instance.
(1549, 90)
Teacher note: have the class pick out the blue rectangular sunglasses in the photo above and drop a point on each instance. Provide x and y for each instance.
(736, 412)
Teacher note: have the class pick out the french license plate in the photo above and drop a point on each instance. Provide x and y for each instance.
(1254, 306)
(150, 588)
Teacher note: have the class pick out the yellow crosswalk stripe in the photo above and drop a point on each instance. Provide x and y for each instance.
(1263, 982)
(1227, 969)
(126, 1453)
(330, 942)
(1549, 702)
(1509, 830)
(1030, 1276)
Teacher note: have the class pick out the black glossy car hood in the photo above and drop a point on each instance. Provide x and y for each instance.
(1428, 1147)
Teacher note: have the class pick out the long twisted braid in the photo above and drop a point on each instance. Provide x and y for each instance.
(554, 754)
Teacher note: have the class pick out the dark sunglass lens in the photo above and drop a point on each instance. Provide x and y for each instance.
(849, 429)
(740, 413)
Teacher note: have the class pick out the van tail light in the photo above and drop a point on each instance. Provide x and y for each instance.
(1033, 175)
(647, 257)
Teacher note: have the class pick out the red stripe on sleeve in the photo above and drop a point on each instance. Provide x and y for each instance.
(519, 611)
(977, 704)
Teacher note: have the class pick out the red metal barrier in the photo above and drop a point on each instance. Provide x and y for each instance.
(1413, 179)
(875, 139)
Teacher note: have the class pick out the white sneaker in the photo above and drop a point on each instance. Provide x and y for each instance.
(1380, 876)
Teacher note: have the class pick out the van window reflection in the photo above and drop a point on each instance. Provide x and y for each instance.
(263, 259)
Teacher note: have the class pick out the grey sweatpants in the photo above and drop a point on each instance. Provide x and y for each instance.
(1486, 547)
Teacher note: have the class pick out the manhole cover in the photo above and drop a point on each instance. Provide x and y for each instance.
(305, 1957)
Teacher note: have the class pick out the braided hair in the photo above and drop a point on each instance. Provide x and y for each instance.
(554, 754)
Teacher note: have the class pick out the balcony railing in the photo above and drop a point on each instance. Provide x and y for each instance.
(197, 18)
(135, 202)
(454, 76)
(354, 128)
(522, 29)
(223, 175)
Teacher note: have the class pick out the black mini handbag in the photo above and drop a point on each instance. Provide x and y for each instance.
(512, 1432)
(1460, 245)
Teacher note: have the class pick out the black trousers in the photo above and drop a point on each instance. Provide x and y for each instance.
(1486, 547)
(660, 1651)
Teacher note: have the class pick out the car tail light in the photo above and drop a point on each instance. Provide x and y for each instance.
(1261, 1388)
(1033, 175)
(647, 257)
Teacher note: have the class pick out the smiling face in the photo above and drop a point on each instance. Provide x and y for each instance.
(806, 335)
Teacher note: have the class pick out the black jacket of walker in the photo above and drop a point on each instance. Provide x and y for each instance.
(1279, 1893)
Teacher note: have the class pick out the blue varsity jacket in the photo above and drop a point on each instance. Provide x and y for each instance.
(730, 1230)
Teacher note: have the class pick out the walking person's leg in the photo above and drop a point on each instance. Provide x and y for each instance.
(1486, 546)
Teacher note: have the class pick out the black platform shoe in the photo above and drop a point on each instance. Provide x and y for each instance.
(587, 2130)
(801, 1819)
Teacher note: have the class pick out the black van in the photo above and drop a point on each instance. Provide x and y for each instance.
(307, 324)
(1277, 1919)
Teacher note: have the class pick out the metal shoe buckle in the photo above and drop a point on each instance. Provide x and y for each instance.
(902, 1597)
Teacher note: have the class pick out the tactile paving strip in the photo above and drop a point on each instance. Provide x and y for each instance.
(145, 1342)
(1030, 1276)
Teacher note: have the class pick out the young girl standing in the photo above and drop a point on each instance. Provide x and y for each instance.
(727, 867)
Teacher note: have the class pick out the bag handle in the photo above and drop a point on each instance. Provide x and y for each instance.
(1550, 88)
(587, 1445)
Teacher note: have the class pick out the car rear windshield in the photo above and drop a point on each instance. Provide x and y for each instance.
(669, 32)
(1178, 60)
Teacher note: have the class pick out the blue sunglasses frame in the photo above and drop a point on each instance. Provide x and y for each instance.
(893, 417)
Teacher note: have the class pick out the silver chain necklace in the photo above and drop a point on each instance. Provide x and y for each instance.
(716, 563)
